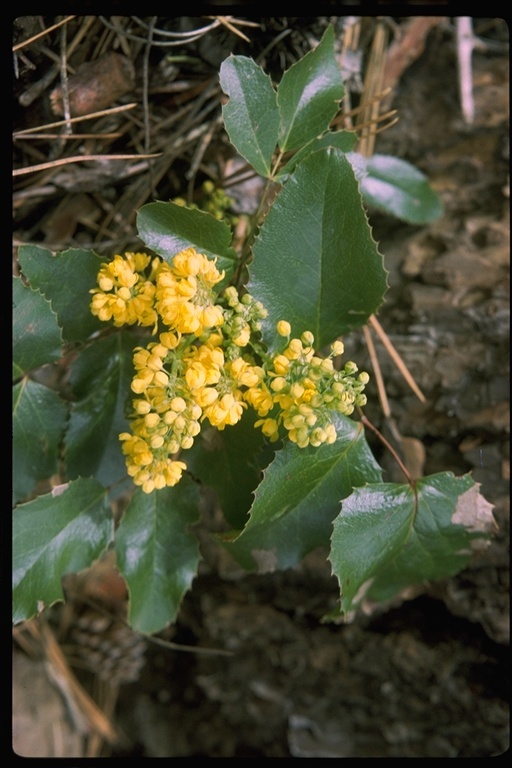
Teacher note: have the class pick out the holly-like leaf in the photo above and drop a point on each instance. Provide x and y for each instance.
(65, 279)
(230, 461)
(398, 188)
(101, 377)
(299, 497)
(390, 536)
(251, 116)
(157, 554)
(61, 532)
(309, 94)
(37, 338)
(39, 419)
(168, 228)
(315, 261)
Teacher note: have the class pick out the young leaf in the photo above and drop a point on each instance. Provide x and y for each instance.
(37, 339)
(251, 116)
(61, 532)
(398, 188)
(101, 377)
(39, 419)
(168, 228)
(157, 554)
(231, 462)
(390, 536)
(299, 496)
(315, 261)
(309, 94)
(65, 279)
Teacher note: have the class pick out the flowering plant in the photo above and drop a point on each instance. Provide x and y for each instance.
(194, 364)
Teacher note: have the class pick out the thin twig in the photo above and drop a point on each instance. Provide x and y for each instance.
(226, 21)
(373, 85)
(64, 81)
(66, 137)
(387, 444)
(397, 359)
(145, 95)
(377, 371)
(60, 123)
(44, 32)
(79, 159)
(466, 42)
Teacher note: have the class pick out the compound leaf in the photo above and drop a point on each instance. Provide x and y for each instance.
(230, 461)
(309, 94)
(398, 188)
(65, 279)
(315, 261)
(39, 419)
(100, 376)
(157, 554)
(37, 338)
(390, 536)
(251, 116)
(61, 532)
(299, 496)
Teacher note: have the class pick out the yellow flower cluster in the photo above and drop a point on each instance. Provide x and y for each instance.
(302, 390)
(208, 363)
(125, 294)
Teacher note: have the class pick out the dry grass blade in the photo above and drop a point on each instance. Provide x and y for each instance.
(367, 124)
(373, 85)
(386, 410)
(87, 716)
(60, 123)
(231, 23)
(77, 159)
(397, 359)
(41, 34)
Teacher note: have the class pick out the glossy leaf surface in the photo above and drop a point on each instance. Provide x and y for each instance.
(157, 553)
(61, 532)
(389, 536)
(315, 261)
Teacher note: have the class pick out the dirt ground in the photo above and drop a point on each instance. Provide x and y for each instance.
(263, 675)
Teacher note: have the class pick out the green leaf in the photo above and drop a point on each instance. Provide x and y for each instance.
(39, 418)
(157, 554)
(101, 377)
(37, 339)
(315, 261)
(343, 140)
(168, 228)
(251, 116)
(65, 279)
(61, 532)
(309, 94)
(398, 188)
(390, 536)
(299, 497)
(230, 461)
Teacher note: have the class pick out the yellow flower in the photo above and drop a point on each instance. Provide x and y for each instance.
(124, 294)
(269, 427)
(260, 399)
(225, 411)
(185, 299)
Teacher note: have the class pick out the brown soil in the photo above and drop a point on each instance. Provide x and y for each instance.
(428, 675)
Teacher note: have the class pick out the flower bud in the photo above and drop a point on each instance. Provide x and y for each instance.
(284, 328)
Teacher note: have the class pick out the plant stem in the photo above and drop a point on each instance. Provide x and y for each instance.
(393, 452)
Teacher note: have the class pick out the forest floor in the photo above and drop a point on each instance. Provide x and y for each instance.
(426, 676)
